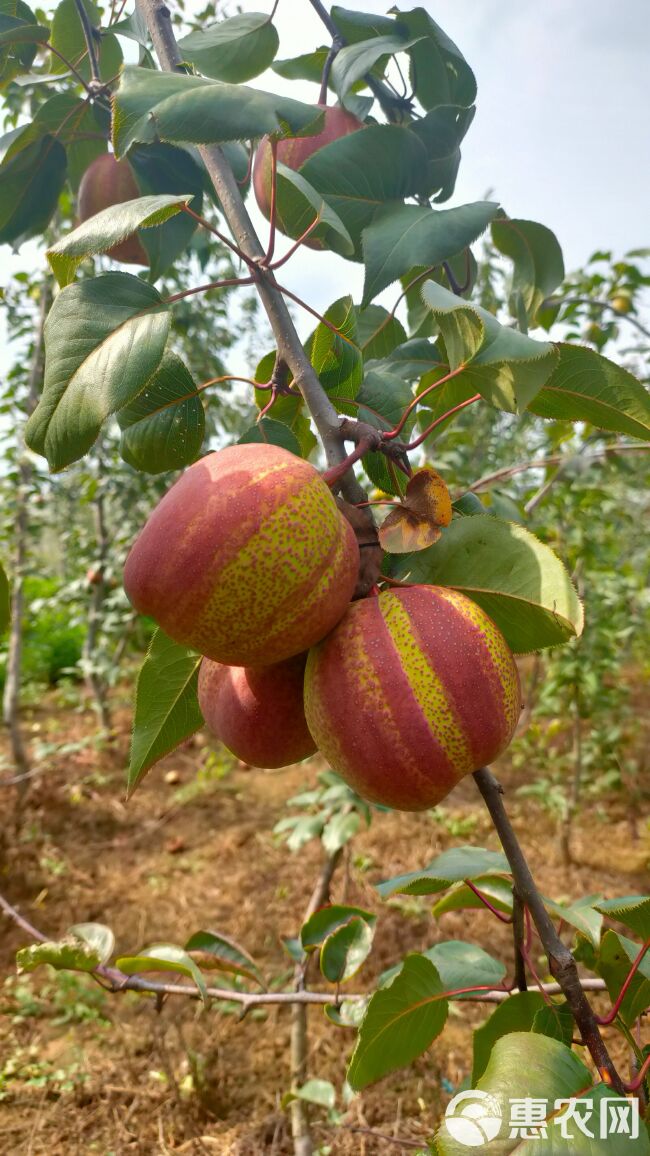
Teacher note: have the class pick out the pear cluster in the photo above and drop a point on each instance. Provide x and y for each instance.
(249, 560)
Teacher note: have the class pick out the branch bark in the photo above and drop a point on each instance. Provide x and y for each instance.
(561, 962)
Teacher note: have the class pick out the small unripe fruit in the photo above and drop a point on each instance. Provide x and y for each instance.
(414, 689)
(246, 559)
(294, 151)
(107, 182)
(257, 712)
(621, 302)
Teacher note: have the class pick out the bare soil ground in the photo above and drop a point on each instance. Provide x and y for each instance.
(82, 1071)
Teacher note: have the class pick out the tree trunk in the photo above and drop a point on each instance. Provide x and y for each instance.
(95, 683)
(11, 694)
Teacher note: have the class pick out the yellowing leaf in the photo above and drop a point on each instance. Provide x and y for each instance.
(415, 524)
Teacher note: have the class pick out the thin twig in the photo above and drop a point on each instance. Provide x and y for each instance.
(119, 981)
(551, 302)
(89, 37)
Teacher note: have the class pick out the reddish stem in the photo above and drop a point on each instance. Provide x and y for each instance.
(636, 1083)
(378, 502)
(429, 430)
(274, 190)
(267, 407)
(314, 313)
(221, 236)
(611, 1015)
(486, 902)
(333, 476)
(416, 401)
(301, 239)
(211, 285)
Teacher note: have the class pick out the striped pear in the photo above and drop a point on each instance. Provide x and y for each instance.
(246, 559)
(413, 689)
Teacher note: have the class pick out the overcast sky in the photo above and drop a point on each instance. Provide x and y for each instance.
(560, 134)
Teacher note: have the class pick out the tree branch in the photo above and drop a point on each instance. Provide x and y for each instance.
(561, 962)
(118, 981)
(158, 20)
(89, 37)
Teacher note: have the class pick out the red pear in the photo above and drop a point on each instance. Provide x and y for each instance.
(108, 182)
(257, 712)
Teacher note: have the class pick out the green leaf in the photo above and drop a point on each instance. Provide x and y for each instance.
(357, 26)
(163, 427)
(401, 1022)
(354, 60)
(104, 339)
(20, 32)
(68, 38)
(298, 205)
(327, 920)
(336, 357)
(514, 577)
(108, 228)
(505, 366)
(97, 936)
(150, 106)
(84, 948)
(495, 888)
(524, 1064)
(166, 705)
(555, 1020)
(212, 950)
(339, 830)
(401, 236)
(615, 958)
(516, 1014)
(582, 914)
(383, 397)
(31, 181)
(361, 171)
(4, 600)
(163, 957)
(307, 66)
(585, 386)
(439, 72)
(537, 258)
(233, 50)
(413, 359)
(378, 332)
(631, 910)
(78, 125)
(164, 169)
(348, 1013)
(319, 1092)
(274, 433)
(344, 951)
(451, 867)
(441, 132)
(459, 965)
